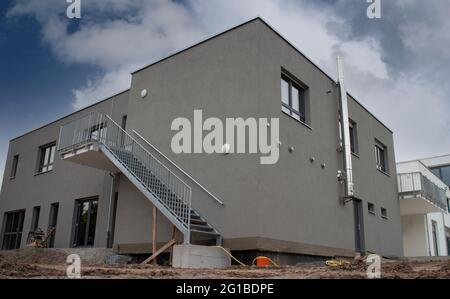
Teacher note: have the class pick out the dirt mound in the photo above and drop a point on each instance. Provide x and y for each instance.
(12, 269)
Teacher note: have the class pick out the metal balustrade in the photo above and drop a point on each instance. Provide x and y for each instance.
(416, 183)
(168, 189)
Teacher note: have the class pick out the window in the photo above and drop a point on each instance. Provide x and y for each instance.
(12, 229)
(35, 219)
(381, 157)
(384, 213)
(434, 233)
(353, 137)
(293, 99)
(14, 166)
(371, 208)
(46, 157)
(53, 219)
(448, 208)
(443, 172)
(85, 222)
(97, 131)
(124, 122)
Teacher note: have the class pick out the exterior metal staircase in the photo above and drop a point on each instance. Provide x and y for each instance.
(164, 189)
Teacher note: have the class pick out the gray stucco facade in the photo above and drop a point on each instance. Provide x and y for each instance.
(292, 206)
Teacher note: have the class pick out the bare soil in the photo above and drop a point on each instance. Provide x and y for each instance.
(41, 263)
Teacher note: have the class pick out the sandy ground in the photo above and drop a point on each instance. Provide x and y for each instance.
(51, 264)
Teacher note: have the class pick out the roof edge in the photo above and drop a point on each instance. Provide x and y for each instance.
(70, 114)
(279, 35)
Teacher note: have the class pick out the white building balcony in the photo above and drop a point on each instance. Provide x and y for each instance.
(420, 195)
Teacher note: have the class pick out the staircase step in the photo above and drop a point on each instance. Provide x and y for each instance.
(205, 228)
(198, 221)
(212, 233)
(198, 226)
(195, 215)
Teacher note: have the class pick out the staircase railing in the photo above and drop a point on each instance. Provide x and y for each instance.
(167, 187)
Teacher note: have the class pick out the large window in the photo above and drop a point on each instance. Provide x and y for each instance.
(35, 218)
(12, 229)
(52, 222)
(381, 156)
(15, 162)
(443, 172)
(46, 157)
(85, 222)
(293, 99)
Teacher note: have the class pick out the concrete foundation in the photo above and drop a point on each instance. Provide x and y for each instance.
(199, 257)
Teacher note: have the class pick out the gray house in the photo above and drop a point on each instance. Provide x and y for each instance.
(95, 175)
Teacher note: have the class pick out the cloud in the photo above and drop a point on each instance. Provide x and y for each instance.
(396, 66)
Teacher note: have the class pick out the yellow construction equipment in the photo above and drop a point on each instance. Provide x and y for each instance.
(38, 239)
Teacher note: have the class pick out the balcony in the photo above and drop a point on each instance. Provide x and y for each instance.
(419, 195)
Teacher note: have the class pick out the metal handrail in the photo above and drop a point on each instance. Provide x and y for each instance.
(170, 191)
(180, 169)
(417, 183)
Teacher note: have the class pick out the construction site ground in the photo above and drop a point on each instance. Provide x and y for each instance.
(45, 263)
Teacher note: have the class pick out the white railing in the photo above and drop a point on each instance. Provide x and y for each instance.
(171, 192)
(179, 168)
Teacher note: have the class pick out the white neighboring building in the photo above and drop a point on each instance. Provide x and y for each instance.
(424, 206)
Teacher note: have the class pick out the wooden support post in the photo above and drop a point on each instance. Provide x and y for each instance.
(159, 251)
(154, 234)
(174, 237)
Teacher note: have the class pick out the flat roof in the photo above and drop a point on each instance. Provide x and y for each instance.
(202, 42)
(279, 35)
(428, 158)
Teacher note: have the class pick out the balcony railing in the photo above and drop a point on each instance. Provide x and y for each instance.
(416, 184)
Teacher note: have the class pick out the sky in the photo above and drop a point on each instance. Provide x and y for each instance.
(396, 66)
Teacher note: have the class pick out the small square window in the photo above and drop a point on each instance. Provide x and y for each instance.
(371, 208)
(384, 213)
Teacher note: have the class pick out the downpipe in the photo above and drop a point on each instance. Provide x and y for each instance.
(347, 175)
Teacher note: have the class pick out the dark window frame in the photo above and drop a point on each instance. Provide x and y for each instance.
(371, 208)
(35, 218)
(97, 131)
(384, 213)
(302, 101)
(46, 163)
(353, 128)
(381, 157)
(17, 233)
(439, 172)
(14, 165)
(76, 222)
(53, 222)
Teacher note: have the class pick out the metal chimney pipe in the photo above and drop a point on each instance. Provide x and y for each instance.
(345, 130)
